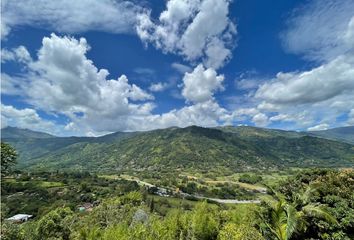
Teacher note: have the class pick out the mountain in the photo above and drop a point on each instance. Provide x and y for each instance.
(235, 148)
(14, 132)
(345, 134)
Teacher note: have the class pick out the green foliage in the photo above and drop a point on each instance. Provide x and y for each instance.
(283, 219)
(333, 189)
(8, 158)
(250, 178)
(316, 205)
(55, 224)
(233, 231)
(11, 231)
(205, 222)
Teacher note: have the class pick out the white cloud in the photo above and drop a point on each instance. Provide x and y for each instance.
(201, 84)
(144, 71)
(158, 87)
(19, 54)
(319, 127)
(181, 29)
(24, 118)
(252, 114)
(62, 80)
(319, 30)
(319, 84)
(181, 68)
(69, 16)
(10, 85)
(260, 119)
(248, 83)
(207, 114)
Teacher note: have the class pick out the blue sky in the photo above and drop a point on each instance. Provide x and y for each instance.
(94, 67)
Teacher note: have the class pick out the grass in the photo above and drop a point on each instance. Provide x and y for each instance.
(44, 184)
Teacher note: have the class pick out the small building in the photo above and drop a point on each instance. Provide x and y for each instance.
(19, 218)
(86, 207)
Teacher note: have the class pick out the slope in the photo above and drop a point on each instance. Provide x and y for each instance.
(191, 147)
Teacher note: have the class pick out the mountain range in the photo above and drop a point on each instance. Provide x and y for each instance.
(234, 148)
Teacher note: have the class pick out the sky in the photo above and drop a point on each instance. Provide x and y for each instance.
(90, 67)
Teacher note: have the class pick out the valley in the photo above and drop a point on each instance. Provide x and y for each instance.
(149, 185)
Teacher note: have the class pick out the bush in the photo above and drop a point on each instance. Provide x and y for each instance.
(250, 178)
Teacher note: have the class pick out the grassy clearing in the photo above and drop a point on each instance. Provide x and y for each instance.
(44, 184)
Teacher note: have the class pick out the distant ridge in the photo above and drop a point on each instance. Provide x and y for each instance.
(345, 134)
(14, 132)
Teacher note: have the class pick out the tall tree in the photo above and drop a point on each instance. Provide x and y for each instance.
(284, 219)
(8, 158)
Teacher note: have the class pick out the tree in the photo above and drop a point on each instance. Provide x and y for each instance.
(284, 219)
(8, 158)
(232, 231)
(11, 231)
(204, 222)
(55, 224)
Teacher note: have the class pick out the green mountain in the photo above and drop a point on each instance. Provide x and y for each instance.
(236, 148)
(14, 132)
(345, 134)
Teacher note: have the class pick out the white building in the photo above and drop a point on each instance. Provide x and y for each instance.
(19, 218)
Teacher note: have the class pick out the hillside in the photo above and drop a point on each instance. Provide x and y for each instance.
(19, 133)
(345, 134)
(236, 148)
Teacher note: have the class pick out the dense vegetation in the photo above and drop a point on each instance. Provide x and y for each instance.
(8, 158)
(316, 204)
(250, 178)
(193, 147)
(38, 193)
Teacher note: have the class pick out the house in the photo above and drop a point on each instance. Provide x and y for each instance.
(163, 192)
(86, 207)
(19, 218)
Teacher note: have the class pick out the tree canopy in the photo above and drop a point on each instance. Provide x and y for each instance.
(8, 158)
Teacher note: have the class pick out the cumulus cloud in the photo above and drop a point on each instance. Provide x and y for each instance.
(201, 84)
(19, 54)
(322, 32)
(207, 114)
(181, 29)
(260, 119)
(316, 85)
(62, 80)
(158, 87)
(69, 16)
(252, 114)
(24, 118)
